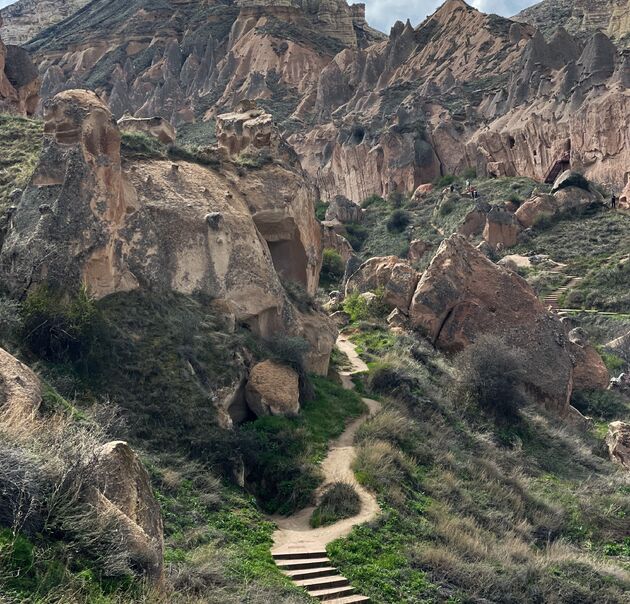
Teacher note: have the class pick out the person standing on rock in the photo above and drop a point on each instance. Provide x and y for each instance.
(613, 202)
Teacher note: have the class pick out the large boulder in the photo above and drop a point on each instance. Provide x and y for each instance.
(618, 442)
(624, 198)
(342, 210)
(20, 391)
(463, 295)
(157, 127)
(396, 277)
(120, 489)
(418, 249)
(589, 372)
(571, 179)
(502, 229)
(535, 209)
(273, 389)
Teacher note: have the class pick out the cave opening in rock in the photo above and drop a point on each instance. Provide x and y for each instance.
(290, 261)
(358, 135)
(512, 142)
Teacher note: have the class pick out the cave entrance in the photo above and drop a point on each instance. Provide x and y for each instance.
(290, 261)
(562, 163)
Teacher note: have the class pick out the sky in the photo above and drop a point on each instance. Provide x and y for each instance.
(382, 14)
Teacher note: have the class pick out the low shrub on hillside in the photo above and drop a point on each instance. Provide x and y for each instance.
(338, 502)
(299, 296)
(490, 377)
(356, 234)
(398, 221)
(60, 326)
(444, 181)
(332, 268)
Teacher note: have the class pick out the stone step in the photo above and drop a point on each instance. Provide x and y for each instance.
(356, 599)
(334, 593)
(311, 573)
(302, 563)
(319, 583)
(299, 555)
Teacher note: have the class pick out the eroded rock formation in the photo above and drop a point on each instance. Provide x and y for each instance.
(618, 442)
(273, 389)
(19, 81)
(463, 295)
(163, 225)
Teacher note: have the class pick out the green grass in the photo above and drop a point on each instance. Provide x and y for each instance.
(20, 148)
(282, 454)
(476, 511)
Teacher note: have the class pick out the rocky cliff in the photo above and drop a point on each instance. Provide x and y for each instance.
(366, 114)
(26, 18)
(19, 82)
(581, 17)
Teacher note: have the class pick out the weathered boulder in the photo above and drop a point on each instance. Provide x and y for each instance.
(571, 179)
(575, 198)
(397, 319)
(589, 370)
(618, 442)
(474, 222)
(120, 488)
(343, 210)
(463, 295)
(624, 198)
(502, 228)
(19, 81)
(273, 389)
(20, 391)
(157, 127)
(535, 209)
(396, 277)
(422, 191)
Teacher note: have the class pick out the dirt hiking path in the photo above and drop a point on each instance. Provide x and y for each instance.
(294, 533)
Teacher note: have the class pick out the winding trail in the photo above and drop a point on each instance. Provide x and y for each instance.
(301, 550)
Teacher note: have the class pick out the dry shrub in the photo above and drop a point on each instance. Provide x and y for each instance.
(389, 425)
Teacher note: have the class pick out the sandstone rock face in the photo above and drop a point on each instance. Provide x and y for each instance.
(121, 488)
(395, 276)
(165, 226)
(463, 295)
(273, 389)
(247, 131)
(26, 18)
(624, 198)
(19, 81)
(618, 442)
(502, 229)
(157, 127)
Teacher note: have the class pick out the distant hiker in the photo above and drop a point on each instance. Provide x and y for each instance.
(613, 202)
(467, 184)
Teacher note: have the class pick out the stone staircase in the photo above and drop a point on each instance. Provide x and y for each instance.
(313, 571)
(553, 299)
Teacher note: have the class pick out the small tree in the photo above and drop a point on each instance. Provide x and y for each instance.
(398, 221)
(332, 267)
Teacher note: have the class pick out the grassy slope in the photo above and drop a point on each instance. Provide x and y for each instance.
(20, 144)
(473, 510)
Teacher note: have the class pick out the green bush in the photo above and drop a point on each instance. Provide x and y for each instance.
(320, 210)
(470, 173)
(444, 181)
(10, 320)
(601, 405)
(356, 235)
(396, 199)
(338, 502)
(60, 326)
(398, 221)
(356, 307)
(490, 377)
(371, 201)
(138, 145)
(332, 267)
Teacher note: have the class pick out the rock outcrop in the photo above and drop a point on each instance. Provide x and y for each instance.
(165, 226)
(618, 442)
(342, 210)
(273, 389)
(19, 80)
(395, 277)
(113, 481)
(463, 295)
(502, 228)
(120, 489)
(157, 127)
